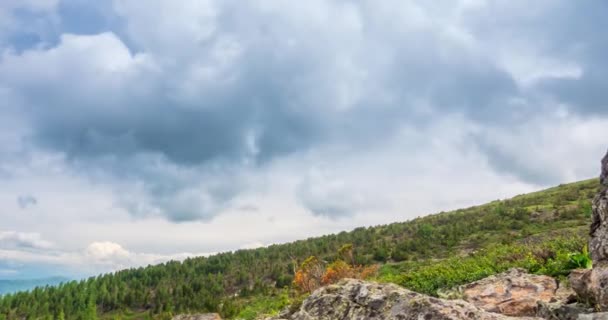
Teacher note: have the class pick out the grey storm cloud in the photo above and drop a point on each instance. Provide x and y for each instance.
(581, 41)
(234, 85)
(565, 31)
(275, 97)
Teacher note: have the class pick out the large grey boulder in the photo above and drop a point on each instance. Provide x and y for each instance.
(357, 299)
(598, 243)
(592, 285)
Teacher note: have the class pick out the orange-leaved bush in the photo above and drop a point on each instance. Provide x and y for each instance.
(313, 274)
(310, 275)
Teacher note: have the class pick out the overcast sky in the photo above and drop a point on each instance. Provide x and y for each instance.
(133, 132)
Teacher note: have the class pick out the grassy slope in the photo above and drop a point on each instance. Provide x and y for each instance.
(554, 225)
(537, 231)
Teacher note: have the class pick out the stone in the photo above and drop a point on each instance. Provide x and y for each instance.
(592, 285)
(561, 311)
(579, 280)
(598, 243)
(594, 316)
(358, 299)
(514, 293)
(204, 316)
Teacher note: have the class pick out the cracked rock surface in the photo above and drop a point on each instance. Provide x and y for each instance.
(357, 299)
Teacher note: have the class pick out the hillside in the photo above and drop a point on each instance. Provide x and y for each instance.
(536, 231)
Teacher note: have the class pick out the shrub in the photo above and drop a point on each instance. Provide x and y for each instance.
(313, 274)
(310, 275)
(554, 257)
(580, 260)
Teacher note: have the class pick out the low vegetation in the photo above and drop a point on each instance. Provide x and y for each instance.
(314, 273)
(551, 254)
(544, 232)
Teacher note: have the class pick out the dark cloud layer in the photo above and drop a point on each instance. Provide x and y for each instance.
(235, 85)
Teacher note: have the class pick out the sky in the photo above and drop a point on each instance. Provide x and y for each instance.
(135, 132)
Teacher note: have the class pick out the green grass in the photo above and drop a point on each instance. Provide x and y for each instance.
(268, 305)
(549, 254)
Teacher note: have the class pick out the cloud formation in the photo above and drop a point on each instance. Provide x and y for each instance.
(97, 257)
(22, 240)
(322, 115)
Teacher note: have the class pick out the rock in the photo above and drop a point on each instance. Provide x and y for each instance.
(604, 173)
(561, 311)
(357, 299)
(205, 316)
(514, 293)
(592, 285)
(579, 281)
(598, 244)
(564, 294)
(594, 316)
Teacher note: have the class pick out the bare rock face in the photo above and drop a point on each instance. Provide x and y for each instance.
(513, 293)
(592, 285)
(598, 244)
(357, 299)
(579, 280)
(206, 316)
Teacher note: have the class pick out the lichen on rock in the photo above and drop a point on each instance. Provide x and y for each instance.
(357, 299)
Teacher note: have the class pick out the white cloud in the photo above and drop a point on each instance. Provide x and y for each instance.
(97, 257)
(253, 245)
(547, 150)
(331, 196)
(93, 65)
(106, 255)
(106, 251)
(14, 239)
(194, 25)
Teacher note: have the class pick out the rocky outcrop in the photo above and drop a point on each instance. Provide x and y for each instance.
(357, 299)
(592, 285)
(598, 243)
(205, 316)
(514, 293)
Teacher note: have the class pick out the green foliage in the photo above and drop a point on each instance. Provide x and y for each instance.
(550, 255)
(581, 260)
(424, 254)
(266, 305)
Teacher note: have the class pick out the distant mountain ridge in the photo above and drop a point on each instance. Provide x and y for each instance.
(10, 286)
